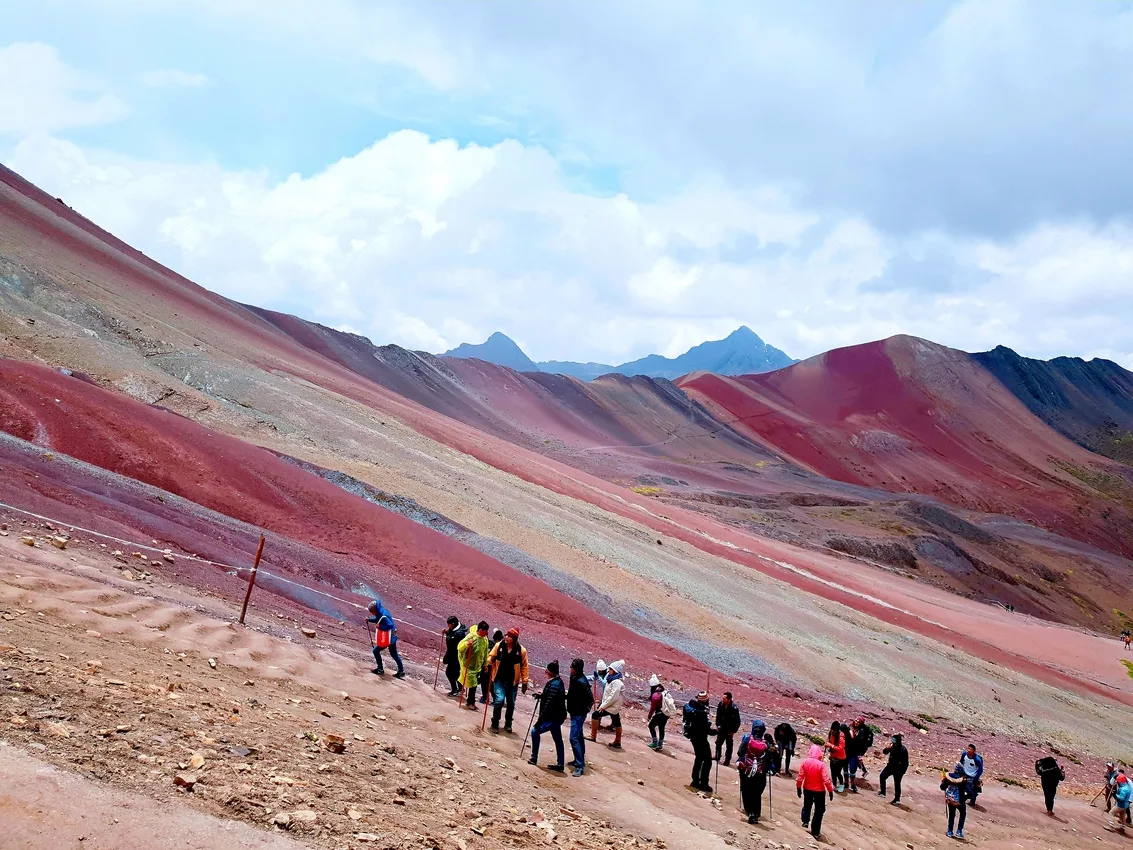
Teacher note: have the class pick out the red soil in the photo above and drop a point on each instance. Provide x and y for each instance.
(911, 416)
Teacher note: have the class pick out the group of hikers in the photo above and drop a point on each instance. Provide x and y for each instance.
(496, 669)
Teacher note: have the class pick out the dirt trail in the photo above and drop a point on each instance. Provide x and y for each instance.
(114, 686)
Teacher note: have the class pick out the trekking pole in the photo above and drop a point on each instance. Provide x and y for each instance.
(437, 677)
(484, 722)
(770, 814)
(717, 785)
(1097, 795)
(530, 723)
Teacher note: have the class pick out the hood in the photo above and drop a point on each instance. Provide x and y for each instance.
(758, 729)
(815, 751)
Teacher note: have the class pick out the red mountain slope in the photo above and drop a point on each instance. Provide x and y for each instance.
(911, 416)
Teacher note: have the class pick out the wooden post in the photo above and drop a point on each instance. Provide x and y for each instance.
(252, 579)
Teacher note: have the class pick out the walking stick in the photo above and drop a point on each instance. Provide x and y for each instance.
(770, 815)
(1098, 795)
(717, 785)
(484, 722)
(530, 723)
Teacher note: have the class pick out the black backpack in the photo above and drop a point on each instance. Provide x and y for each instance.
(865, 734)
(688, 717)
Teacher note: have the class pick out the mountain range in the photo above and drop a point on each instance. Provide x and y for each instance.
(742, 352)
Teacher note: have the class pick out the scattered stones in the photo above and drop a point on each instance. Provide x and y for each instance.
(366, 837)
(185, 780)
(197, 761)
(28, 541)
(308, 633)
(60, 542)
(212, 663)
(335, 743)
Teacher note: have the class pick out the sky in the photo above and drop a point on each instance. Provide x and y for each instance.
(601, 181)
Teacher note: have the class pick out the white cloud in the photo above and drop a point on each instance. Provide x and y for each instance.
(39, 93)
(430, 243)
(169, 78)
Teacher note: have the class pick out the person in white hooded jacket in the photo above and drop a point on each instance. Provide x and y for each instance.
(611, 704)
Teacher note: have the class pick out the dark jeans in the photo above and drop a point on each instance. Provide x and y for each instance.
(392, 654)
(725, 742)
(657, 727)
(885, 774)
(578, 739)
(962, 809)
(838, 771)
(556, 730)
(972, 791)
(452, 673)
(784, 760)
(702, 761)
(1049, 790)
(817, 801)
(751, 793)
(503, 695)
(484, 677)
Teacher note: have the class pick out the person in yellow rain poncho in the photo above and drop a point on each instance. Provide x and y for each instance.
(473, 653)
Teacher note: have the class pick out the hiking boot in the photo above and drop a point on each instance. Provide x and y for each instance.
(507, 728)
(378, 671)
(614, 745)
(533, 761)
(880, 793)
(806, 824)
(494, 729)
(752, 819)
(960, 834)
(577, 772)
(471, 706)
(853, 790)
(557, 768)
(400, 674)
(706, 788)
(895, 802)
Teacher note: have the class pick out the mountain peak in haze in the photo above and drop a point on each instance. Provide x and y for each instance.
(499, 349)
(741, 352)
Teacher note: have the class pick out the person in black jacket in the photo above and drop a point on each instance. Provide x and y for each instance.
(728, 723)
(858, 743)
(580, 699)
(1050, 774)
(785, 741)
(896, 767)
(698, 728)
(552, 713)
(485, 674)
(454, 633)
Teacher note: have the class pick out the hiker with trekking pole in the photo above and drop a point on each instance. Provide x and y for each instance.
(473, 653)
(754, 762)
(552, 702)
(507, 664)
(384, 636)
(453, 634)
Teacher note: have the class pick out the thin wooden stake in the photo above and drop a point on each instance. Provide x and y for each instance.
(252, 579)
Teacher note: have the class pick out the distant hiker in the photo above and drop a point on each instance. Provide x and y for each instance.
(611, 705)
(1127, 638)
(552, 712)
(728, 722)
(955, 799)
(1110, 780)
(896, 767)
(1050, 773)
(836, 746)
(772, 754)
(385, 636)
(661, 708)
(786, 741)
(453, 633)
(486, 673)
(859, 743)
(973, 765)
(507, 665)
(697, 728)
(1122, 794)
(473, 653)
(580, 699)
(812, 785)
(754, 760)
(601, 671)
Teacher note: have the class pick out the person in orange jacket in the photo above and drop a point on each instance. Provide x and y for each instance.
(812, 784)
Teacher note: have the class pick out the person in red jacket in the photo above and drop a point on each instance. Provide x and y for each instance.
(812, 782)
(836, 746)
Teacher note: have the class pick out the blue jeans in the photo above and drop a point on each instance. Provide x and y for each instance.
(578, 739)
(503, 696)
(392, 654)
(556, 730)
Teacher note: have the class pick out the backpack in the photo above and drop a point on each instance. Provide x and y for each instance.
(952, 794)
(668, 706)
(865, 739)
(688, 717)
(753, 759)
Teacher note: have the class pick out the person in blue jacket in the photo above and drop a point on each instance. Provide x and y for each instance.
(973, 767)
(383, 622)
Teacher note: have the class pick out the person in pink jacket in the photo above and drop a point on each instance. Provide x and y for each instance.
(812, 784)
